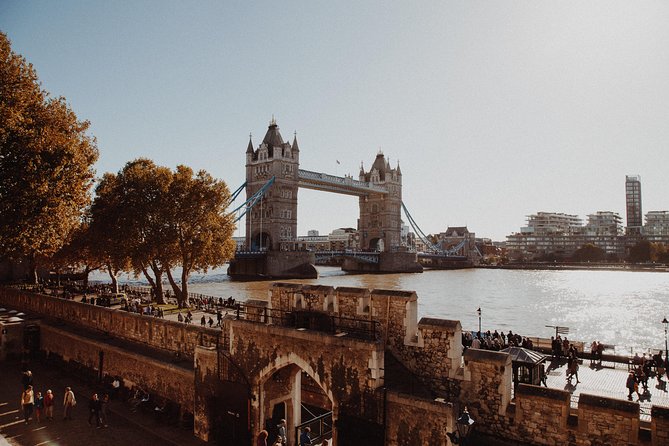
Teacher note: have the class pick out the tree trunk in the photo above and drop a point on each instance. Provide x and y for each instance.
(175, 288)
(184, 285)
(158, 272)
(33, 270)
(156, 283)
(112, 275)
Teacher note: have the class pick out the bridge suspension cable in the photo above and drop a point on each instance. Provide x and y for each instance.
(236, 193)
(252, 200)
(426, 240)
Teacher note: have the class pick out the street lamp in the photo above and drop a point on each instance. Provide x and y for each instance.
(479, 313)
(666, 350)
(464, 425)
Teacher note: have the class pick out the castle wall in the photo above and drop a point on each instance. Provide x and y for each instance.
(158, 333)
(412, 421)
(154, 375)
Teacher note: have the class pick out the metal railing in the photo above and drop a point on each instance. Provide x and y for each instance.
(320, 428)
(310, 320)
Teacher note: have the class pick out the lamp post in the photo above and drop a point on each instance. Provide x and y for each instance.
(666, 350)
(464, 425)
(479, 313)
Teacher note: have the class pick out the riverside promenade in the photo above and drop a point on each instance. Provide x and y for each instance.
(124, 427)
(607, 381)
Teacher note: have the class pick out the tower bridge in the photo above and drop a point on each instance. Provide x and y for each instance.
(273, 178)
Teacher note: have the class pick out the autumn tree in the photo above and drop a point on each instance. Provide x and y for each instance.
(151, 220)
(46, 164)
(199, 226)
(106, 233)
(137, 205)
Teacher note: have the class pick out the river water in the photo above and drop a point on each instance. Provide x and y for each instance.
(622, 308)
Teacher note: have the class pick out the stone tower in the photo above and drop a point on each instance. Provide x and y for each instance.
(272, 223)
(380, 214)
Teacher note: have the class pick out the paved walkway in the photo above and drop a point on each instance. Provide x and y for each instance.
(608, 381)
(136, 428)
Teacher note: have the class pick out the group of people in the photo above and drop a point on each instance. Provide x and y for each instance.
(281, 438)
(33, 402)
(494, 340)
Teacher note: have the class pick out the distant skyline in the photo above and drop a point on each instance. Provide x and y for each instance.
(494, 110)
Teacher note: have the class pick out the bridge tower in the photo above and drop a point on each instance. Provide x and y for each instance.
(380, 214)
(272, 224)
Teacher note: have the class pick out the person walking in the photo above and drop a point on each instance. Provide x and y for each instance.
(305, 438)
(262, 438)
(27, 402)
(69, 401)
(48, 405)
(103, 409)
(282, 431)
(631, 384)
(39, 406)
(94, 410)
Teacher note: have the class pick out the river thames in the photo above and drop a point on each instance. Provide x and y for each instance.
(622, 308)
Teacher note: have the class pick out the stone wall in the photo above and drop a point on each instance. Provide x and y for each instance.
(158, 333)
(607, 421)
(486, 389)
(414, 422)
(156, 376)
(542, 414)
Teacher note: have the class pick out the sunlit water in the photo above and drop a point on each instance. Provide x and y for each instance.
(616, 307)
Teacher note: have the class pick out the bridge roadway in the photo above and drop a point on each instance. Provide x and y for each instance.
(340, 185)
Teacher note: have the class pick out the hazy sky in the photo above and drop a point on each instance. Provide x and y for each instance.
(495, 110)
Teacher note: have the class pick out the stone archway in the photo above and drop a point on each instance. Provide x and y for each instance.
(290, 386)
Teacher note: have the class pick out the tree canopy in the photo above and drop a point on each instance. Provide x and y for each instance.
(46, 164)
(151, 220)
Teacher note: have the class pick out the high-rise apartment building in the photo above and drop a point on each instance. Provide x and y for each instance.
(633, 204)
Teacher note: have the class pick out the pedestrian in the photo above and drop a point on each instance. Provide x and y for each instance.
(305, 438)
(180, 317)
(631, 384)
(211, 322)
(103, 409)
(48, 405)
(281, 434)
(262, 438)
(219, 317)
(94, 409)
(203, 321)
(39, 406)
(27, 402)
(69, 401)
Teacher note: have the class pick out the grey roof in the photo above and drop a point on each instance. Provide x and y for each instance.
(273, 136)
(523, 355)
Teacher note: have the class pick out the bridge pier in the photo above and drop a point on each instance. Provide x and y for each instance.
(273, 265)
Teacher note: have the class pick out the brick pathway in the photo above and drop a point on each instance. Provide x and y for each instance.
(124, 427)
(608, 381)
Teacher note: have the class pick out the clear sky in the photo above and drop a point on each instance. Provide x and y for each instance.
(494, 110)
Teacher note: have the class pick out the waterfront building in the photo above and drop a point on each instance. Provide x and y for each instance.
(656, 228)
(605, 223)
(459, 240)
(559, 235)
(633, 204)
(313, 242)
(344, 239)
